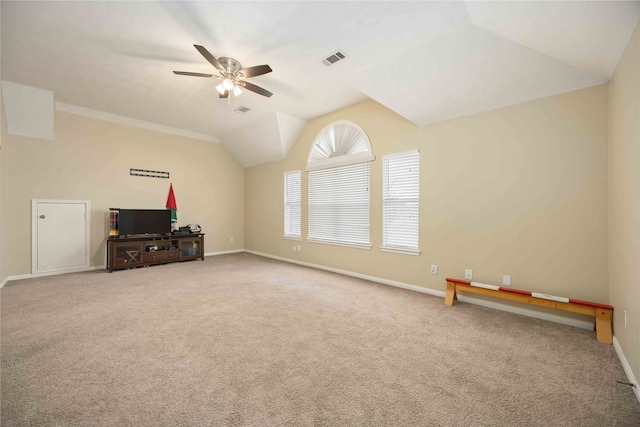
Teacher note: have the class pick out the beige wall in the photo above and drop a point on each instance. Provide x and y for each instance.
(3, 195)
(90, 160)
(520, 191)
(624, 200)
(3, 215)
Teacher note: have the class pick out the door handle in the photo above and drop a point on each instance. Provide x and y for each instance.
(42, 217)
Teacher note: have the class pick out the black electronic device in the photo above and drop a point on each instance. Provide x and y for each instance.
(182, 230)
(144, 221)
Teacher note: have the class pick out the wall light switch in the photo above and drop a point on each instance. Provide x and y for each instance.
(294, 248)
(231, 239)
(506, 280)
(299, 248)
(468, 274)
(434, 269)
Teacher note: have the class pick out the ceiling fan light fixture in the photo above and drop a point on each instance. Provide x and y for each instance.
(227, 84)
(237, 91)
(220, 88)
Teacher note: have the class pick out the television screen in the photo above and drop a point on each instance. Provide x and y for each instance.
(144, 221)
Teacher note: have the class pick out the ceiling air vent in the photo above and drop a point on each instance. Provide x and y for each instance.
(242, 109)
(333, 58)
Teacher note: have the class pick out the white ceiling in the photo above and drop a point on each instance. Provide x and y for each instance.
(427, 61)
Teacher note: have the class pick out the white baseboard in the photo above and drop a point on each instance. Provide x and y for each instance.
(4, 282)
(626, 367)
(54, 273)
(98, 267)
(471, 300)
(357, 275)
(234, 251)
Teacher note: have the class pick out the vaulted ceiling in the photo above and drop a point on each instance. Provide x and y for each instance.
(427, 61)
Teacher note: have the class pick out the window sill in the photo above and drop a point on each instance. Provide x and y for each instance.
(349, 245)
(346, 160)
(414, 252)
(292, 237)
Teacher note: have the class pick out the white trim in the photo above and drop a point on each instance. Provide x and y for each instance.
(550, 297)
(34, 233)
(490, 304)
(356, 275)
(335, 162)
(414, 252)
(55, 273)
(348, 245)
(234, 251)
(4, 282)
(626, 367)
(93, 268)
(95, 114)
(402, 153)
(485, 286)
(299, 238)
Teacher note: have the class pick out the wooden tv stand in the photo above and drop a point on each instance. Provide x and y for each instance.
(140, 251)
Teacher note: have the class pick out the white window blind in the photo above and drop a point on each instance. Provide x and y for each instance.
(292, 204)
(339, 205)
(401, 199)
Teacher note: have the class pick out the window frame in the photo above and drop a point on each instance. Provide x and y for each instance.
(292, 198)
(340, 148)
(336, 199)
(405, 207)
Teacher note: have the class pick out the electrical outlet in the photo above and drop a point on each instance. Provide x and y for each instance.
(625, 319)
(468, 274)
(299, 248)
(294, 248)
(434, 269)
(231, 239)
(506, 280)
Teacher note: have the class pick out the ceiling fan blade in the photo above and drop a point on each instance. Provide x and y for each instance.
(212, 59)
(258, 70)
(188, 73)
(225, 94)
(254, 88)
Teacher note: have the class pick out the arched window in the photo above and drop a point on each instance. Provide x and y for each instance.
(338, 169)
(338, 144)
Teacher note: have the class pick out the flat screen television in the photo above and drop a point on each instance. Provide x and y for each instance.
(144, 221)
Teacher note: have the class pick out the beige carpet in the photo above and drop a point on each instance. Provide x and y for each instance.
(240, 340)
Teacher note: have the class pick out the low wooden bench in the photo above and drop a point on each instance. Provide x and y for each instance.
(601, 312)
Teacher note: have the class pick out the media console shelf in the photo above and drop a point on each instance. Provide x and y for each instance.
(141, 251)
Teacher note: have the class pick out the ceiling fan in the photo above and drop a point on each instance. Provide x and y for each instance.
(232, 75)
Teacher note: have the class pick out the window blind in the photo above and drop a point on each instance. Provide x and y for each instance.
(339, 205)
(292, 203)
(401, 199)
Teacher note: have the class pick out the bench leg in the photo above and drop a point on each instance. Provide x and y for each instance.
(451, 294)
(603, 326)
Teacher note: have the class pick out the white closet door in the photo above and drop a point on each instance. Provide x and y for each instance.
(60, 235)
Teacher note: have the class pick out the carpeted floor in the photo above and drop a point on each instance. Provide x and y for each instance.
(241, 340)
